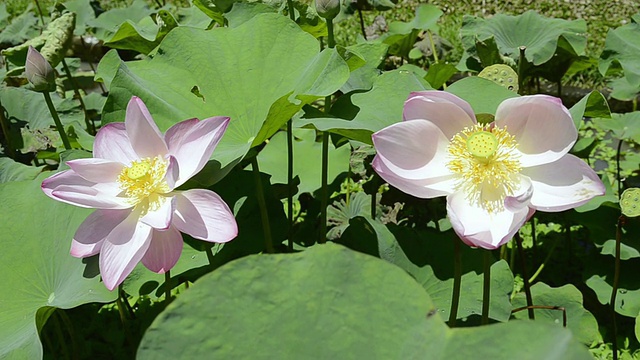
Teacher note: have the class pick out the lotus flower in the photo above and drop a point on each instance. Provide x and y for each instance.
(39, 72)
(131, 181)
(495, 176)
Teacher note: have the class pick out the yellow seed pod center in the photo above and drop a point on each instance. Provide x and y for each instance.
(138, 170)
(482, 144)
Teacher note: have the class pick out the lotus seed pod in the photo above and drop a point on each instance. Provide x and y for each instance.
(328, 9)
(502, 75)
(630, 202)
(39, 72)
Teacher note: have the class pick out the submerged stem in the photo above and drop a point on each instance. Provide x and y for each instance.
(486, 286)
(264, 216)
(527, 288)
(56, 120)
(614, 289)
(457, 280)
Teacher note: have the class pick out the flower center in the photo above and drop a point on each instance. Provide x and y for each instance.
(144, 182)
(485, 165)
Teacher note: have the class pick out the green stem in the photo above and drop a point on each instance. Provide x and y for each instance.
(208, 250)
(325, 187)
(90, 127)
(527, 288)
(374, 180)
(618, 168)
(331, 43)
(266, 227)
(364, 32)
(486, 286)
(614, 289)
(56, 119)
(292, 13)
(40, 13)
(290, 184)
(521, 62)
(541, 267)
(167, 287)
(119, 302)
(457, 280)
(4, 124)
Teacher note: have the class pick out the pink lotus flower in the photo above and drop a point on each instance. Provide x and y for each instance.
(131, 181)
(495, 176)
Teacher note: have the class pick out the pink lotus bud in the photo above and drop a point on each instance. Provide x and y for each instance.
(39, 72)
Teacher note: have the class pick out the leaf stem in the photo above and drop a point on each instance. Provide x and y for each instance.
(56, 120)
(266, 227)
(292, 16)
(521, 62)
(90, 127)
(486, 286)
(527, 288)
(614, 288)
(364, 32)
(4, 124)
(292, 13)
(167, 287)
(457, 280)
(435, 55)
(618, 168)
(325, 187)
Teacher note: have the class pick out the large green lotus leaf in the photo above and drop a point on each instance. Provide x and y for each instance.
(428, 256)
(15, 171)
(259, 74)
(4, 15)
(483, 95)
(144, 36)
(599, 277)
(623, 126)
(364, 77)
(84, 14)
(580, 321)
(539, 34)
(330, 302)
(107, 23)
(27, 106)
(22, 28)
(375, 109)
(37, 270)
(623, 45)
(593, 105)
(307, 157)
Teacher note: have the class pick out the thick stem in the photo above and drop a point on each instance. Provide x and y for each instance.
(614, 289)
(290, 184)
(486, 286)
(167, 287)
(619, 180)
(521, 62)
(435, 53)
(292, 12)
(262, 203)
(56, 120)
(325, 186)
(364, 32)
(457, 280)
(4, 124)
(527, 288)
(90, 127)
(331, 43)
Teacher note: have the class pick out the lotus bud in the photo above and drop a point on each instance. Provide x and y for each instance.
(328, 9)
(39, 72)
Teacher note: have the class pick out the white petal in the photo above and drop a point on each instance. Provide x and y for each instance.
(563, 184)
(160, 218)
(192, 142)
(541, 125)
(112, 143)
(71, 188)
(88, 239)
(122, 250)
(146, 139)
(205, 216)
(97, 170)
(422, 188)
(447, 111)
(478, 228)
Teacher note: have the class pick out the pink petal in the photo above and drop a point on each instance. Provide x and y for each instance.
(422, 188)
(71, 188)
(160, 219)
(122, 250)
(478, 228)
(164, 250)
(112, 143)
(173, 173)
(146, 139)
(447, 111)
(192, 142)
(542, 126)
(97, 170)
(96, 227)
(564, 184)
(205, 216)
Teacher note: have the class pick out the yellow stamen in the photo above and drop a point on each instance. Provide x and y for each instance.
(485, 164)
(144, 183)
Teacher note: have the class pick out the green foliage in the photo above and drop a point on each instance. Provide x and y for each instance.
(623, 47)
